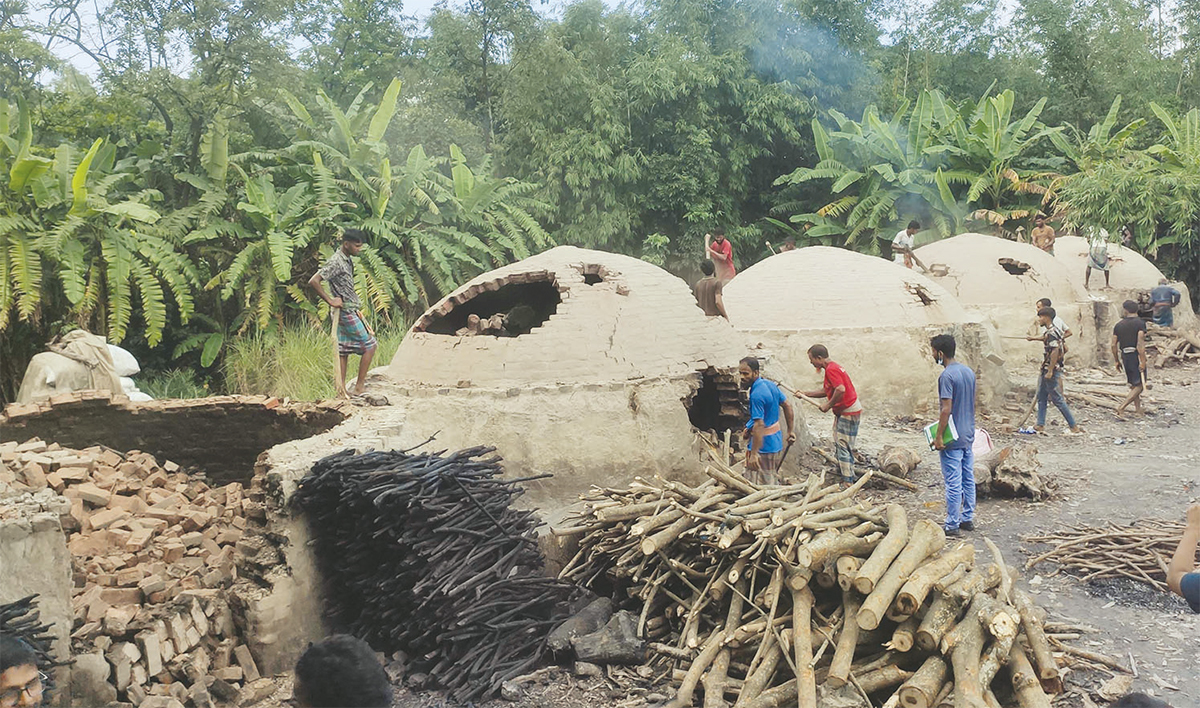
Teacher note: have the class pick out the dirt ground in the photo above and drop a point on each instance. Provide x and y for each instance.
(1147, 467)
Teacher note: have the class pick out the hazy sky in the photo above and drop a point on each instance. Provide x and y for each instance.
(412, 8)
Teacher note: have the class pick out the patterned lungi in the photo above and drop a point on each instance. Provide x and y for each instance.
(353, 335)
(845, 431)
(768, 469)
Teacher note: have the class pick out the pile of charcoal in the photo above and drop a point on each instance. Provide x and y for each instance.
(424, 553)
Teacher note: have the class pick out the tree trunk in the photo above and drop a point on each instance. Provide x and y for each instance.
(927, 538)
(887, 550)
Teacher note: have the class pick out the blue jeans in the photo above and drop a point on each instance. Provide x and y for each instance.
(958, 471)
(1051, 390)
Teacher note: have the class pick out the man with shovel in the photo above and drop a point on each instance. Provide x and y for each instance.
(764, 448)
(354, 335)
(840, 396)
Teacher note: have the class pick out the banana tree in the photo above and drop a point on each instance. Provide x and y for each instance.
(433, 227)
(882, 172)
(990, 145)
(79, 216)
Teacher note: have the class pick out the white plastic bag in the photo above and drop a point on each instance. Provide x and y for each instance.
(123, 361)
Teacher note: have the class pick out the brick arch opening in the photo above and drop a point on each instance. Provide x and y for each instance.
(505, 309)
(221, 436)
(716, 404)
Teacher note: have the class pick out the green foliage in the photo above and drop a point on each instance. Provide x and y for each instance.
(944, 162)
(294, 361)
(78, 227)
(173, 383)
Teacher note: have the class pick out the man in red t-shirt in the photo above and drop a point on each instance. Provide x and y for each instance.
(720, 252)
(840, 396)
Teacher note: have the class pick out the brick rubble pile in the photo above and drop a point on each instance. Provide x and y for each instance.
(154, 552)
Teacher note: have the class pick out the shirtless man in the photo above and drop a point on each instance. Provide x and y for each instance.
(1043, 235)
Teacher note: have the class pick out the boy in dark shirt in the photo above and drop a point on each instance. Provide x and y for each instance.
(1129, 351)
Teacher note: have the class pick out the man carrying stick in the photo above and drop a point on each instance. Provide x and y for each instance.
(956, 395)
(354, 335)
(840, 396)
(763, 434)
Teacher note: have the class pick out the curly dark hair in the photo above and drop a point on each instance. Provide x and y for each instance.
(341, 672)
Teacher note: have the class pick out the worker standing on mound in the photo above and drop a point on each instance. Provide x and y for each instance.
(720, 251)
(354, 335)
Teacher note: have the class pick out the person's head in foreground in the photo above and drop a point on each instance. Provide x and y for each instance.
(21, 683)
(913, 227)
(1040, 219)
(1138, 700)
(707, 268)
(341, 672)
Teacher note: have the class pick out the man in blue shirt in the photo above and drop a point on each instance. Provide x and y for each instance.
(1163, 299)
(763, 432)
(956, 394)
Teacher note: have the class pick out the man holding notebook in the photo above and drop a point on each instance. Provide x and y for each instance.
(956, 394)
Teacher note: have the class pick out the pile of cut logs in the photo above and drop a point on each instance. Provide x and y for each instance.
(1165, 345)
(800, 595)
(153, 550)
(1138, 552)
(424, 553)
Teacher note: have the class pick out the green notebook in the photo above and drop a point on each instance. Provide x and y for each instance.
(949, 435)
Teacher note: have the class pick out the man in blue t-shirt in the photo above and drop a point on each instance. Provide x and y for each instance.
(763, 433)
(956, 396)
(1182, 577)
(1163, 299)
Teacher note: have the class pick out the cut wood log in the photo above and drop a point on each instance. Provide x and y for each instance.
(683, 696)
(887, 550)
(1025, 682)
(898, 461)
(912, 594)
(927, 538)
(835, 543)
(904, 637)
(806, 679)
(1039, 645)
(921, 690)
(881, 678)
(847, 570)
(965, 646)
(843, 656)
(939, 618)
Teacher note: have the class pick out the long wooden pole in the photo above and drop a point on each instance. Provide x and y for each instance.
(339, 383)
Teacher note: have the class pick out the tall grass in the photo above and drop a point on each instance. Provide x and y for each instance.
(173, 383)
(294, 362)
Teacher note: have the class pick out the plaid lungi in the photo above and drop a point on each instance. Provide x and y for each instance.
(768, 469)
(845, 433)
(353, 335)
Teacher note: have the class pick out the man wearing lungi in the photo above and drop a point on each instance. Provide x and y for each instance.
(354, 335)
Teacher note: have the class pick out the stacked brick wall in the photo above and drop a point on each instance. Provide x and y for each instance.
(222, 434)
